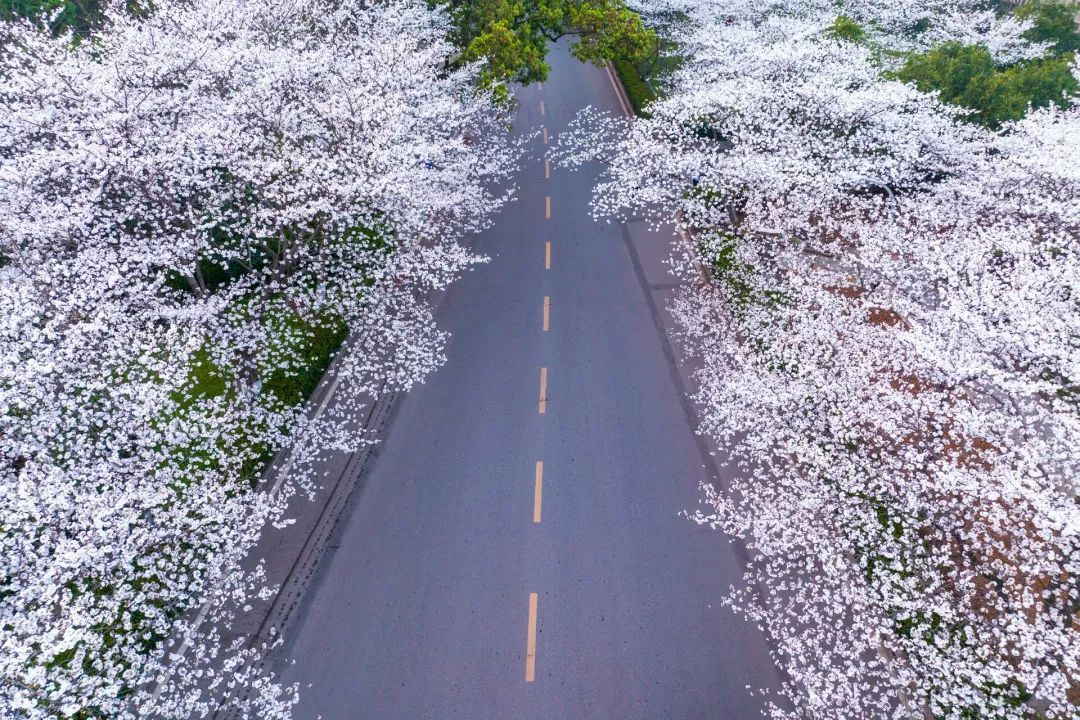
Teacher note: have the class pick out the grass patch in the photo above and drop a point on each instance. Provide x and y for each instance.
(312, 344)
(732, 274)
(738, 277)
(299, 353)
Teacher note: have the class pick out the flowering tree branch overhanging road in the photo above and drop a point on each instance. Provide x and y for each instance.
(196, 208)
(889, 344)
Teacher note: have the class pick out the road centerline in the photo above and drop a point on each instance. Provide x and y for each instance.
(547, 255)
(547, 312)
(543, 390)
(538, 490)
(530, 642)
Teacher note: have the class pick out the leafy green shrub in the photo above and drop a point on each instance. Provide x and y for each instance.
(844, 28)
(1055, 21)
(637, 90)
(966, 75)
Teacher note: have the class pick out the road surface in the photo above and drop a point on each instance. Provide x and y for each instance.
(442, 596)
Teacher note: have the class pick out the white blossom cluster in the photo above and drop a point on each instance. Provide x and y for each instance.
(890, 346)
(191, 200)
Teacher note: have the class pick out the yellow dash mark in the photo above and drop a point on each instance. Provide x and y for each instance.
(542, 107)
(547, 311)
(545, 136)
(547, 208)
(539, 491)
(547, 255)
(530, 644)
(543, 390)
(547, 168)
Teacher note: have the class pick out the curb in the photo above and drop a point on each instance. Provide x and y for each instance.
(298, 580)
(335, 495)
(281, 612)
(620, 91)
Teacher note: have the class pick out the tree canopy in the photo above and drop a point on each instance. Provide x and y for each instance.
(513, 35)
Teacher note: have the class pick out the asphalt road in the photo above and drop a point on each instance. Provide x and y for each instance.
(422, 608)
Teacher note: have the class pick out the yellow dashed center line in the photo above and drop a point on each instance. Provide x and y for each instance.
(538, 491)
(538, 488)
(530, 643)
(543, 390)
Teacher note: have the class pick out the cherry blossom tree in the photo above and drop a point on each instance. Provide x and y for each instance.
(888, 347)
(197, 207)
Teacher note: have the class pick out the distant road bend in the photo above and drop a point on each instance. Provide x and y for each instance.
(516, 550)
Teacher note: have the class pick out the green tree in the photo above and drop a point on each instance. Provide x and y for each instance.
(1055, 21)
(513, 35)
(966, 75)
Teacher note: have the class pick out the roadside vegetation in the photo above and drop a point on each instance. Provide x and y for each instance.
(643, 75)
(966, 75)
